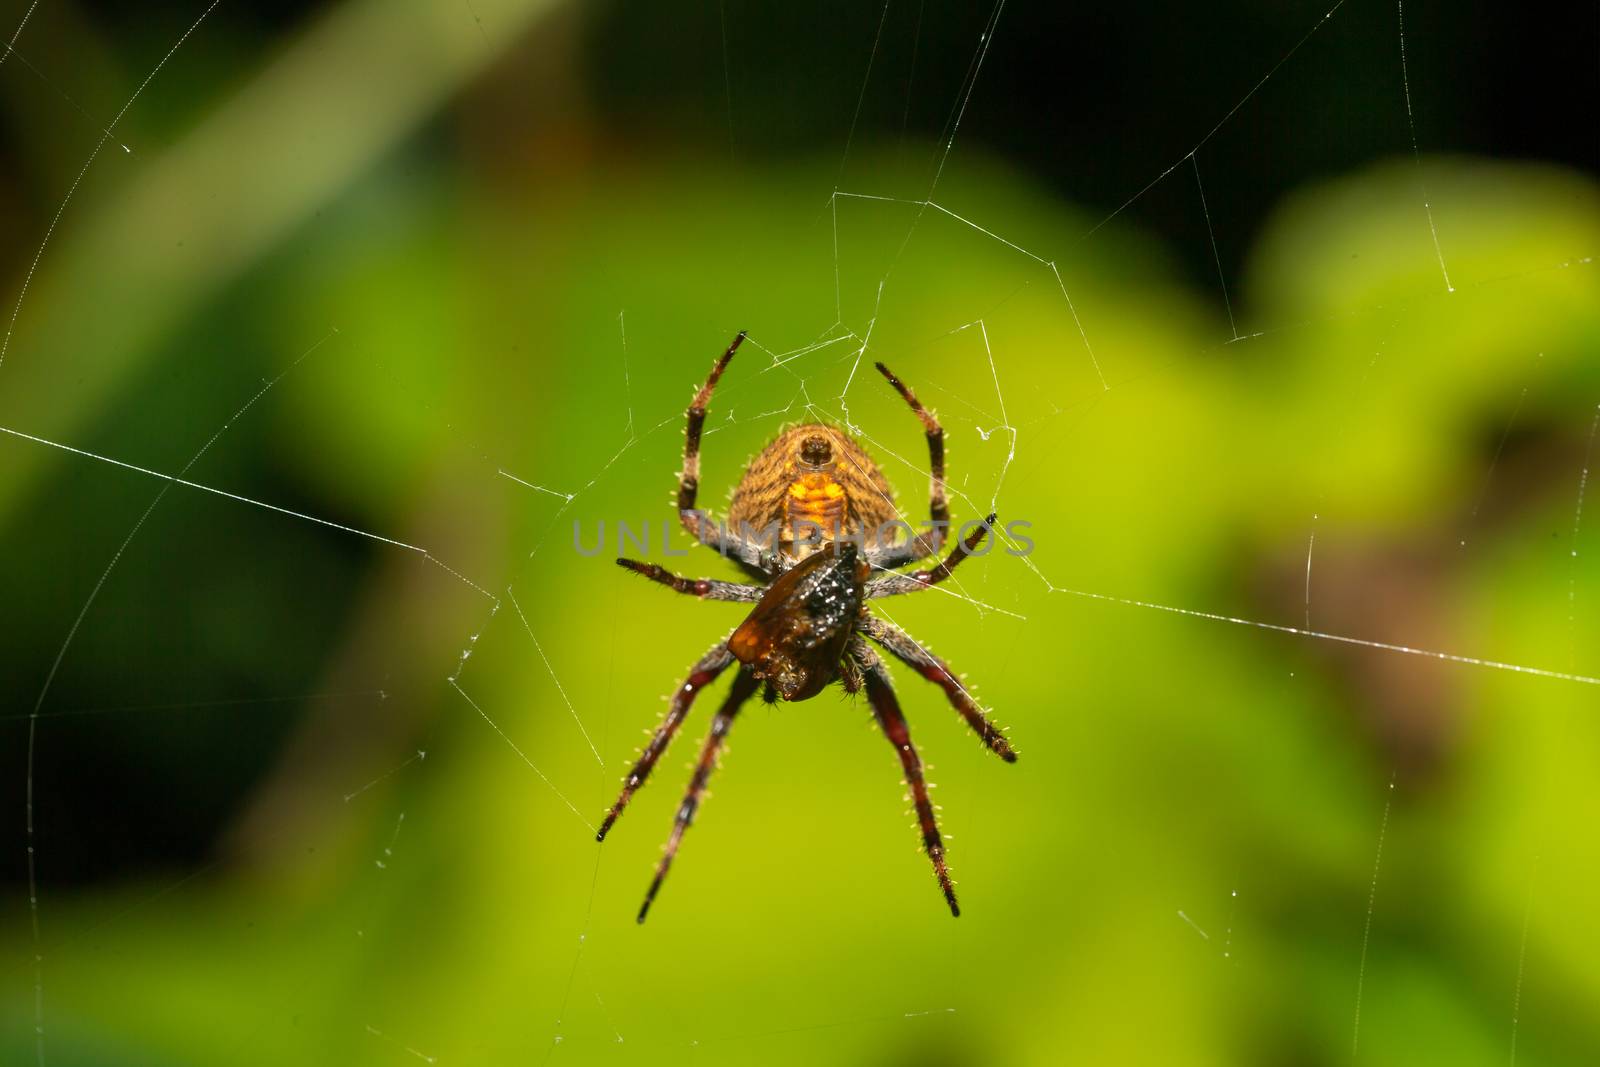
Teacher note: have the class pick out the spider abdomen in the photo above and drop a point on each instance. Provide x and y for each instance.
(813, 474)
(818, 499)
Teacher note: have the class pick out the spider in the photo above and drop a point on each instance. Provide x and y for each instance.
(810, 620)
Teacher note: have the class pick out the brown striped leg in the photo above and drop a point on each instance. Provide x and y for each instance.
(701, 675)
(744, 684)
(925, 545)
(894, 584)
(705, 588)
(689, 477)
(702, 526)
(881, 695)
(905, 648)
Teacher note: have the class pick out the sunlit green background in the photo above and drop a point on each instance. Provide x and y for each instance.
(315, 776)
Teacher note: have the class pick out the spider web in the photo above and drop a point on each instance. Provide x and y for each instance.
(517, 694)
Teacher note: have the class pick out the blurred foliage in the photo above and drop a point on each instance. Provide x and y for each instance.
(349, 864)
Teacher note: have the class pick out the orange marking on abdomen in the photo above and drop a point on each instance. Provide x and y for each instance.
(818, 499)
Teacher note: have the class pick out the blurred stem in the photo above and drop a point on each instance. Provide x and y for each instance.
(123, 274)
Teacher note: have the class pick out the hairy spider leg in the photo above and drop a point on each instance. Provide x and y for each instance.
(700, 525)
(887, 710)
(701, 675)
(744, 686)
(894, 584)
(704, 588)
(906, 648)
(923, 545)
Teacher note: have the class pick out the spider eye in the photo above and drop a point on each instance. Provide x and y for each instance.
(816, 451)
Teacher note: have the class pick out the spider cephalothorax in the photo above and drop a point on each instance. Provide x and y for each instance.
(795, 638)
(829, 512)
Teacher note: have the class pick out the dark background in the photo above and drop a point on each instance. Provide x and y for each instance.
(1095, 99)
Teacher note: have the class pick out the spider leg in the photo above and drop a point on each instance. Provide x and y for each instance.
(744, 685)
(887, 710)
(923, 545)
(894, 584)
(702, 674)
(701, 525)
(850, 675)
(905, 648)
(705, 588)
